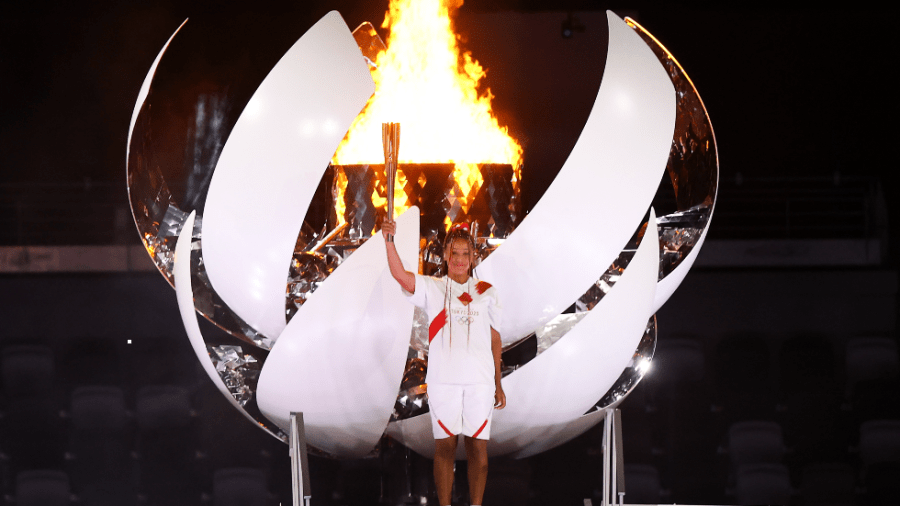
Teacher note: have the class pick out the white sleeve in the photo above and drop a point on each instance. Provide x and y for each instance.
(495, 310)
(419, 298)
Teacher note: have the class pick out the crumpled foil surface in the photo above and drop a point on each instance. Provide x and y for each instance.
(308, 271)
(239, 371)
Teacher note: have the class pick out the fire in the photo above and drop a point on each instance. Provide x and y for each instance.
(424, 82)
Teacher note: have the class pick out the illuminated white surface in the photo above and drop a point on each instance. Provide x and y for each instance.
(271, 166)
(599, 196)
(185, 294)
(145, 90)
(548, 396)
(341, 358)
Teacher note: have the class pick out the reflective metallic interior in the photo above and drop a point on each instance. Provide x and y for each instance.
(636, 369)
(236, 369)
(693, 165)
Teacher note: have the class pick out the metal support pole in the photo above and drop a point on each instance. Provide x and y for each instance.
(299, 465)
(613, 464)
(607, 448)
(613, 458)
(619, 468)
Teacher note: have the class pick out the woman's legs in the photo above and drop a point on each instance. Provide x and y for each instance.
(444, 457)
(476, 455)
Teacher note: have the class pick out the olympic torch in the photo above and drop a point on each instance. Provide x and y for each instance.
(390, 140)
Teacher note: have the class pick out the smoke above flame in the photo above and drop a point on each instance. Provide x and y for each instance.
(424, 82)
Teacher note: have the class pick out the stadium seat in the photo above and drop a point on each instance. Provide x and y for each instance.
(755, 442)
(879, 441)
(28, 372)
(239, 486)
(763, 484)
(642, 484)
(871, 358)
(42, 488)
(166, 445)
(100, 436)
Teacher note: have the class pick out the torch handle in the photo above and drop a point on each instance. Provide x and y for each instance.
(390, 140)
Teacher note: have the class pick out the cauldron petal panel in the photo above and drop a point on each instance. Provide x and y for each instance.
(185, 295)
(625, 145)
(693, 169)
(145, 89)
(271, 165)
(340, 360)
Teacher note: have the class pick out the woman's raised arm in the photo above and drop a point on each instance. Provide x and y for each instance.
(406, 279)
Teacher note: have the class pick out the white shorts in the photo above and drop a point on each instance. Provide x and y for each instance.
(465, 409)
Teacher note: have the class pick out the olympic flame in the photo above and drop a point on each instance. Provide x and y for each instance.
(426, 83)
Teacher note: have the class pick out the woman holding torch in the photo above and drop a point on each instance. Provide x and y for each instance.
(463, 358)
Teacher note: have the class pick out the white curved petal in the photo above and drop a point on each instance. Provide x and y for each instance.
(547, 396)
(565, 381)
(599, 196)
(185, 294)
(271, 165)
(341, 358)
(559, 434)
(145, 89)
